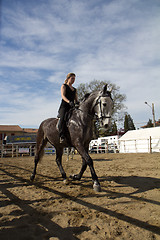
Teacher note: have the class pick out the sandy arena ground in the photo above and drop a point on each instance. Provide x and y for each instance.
(128, 208)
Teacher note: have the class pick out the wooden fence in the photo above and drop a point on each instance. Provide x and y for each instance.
(28, 149)
(16, 150)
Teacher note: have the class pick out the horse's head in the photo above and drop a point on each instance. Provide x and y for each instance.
(103, 107)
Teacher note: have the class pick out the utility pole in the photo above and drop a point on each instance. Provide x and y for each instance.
(153, 113)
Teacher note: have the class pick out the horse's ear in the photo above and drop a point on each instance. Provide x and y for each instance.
(105, 89)
(111, 88)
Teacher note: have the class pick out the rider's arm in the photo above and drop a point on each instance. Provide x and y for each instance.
(76, 97)
(63, 93)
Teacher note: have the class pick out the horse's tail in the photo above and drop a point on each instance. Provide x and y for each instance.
(40, 143)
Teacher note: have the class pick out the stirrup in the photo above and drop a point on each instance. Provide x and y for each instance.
(62, 139)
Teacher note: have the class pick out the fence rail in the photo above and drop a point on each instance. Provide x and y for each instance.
(148, 145)
(125, 146)
(16, 150)
(28, 149)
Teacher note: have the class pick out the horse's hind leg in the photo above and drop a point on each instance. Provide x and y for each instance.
(38, 156)
(83, 168)
(59, 153)
(80, 174)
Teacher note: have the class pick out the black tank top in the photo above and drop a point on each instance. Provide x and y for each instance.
(70, 95)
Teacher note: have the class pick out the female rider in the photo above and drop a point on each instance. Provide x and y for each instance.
(69, 98)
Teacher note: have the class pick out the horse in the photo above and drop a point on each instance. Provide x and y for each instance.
(79, 133)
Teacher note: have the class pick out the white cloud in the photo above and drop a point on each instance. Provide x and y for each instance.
(41, 43)
(26, 108)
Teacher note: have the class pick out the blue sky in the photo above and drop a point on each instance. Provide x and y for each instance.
(42, 40)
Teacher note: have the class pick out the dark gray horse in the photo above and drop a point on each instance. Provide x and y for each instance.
(78, 134)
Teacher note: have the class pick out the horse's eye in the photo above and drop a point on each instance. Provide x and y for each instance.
(104, 104)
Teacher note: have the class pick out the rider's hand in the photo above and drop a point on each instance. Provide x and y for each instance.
(71, 104)
(77, 104)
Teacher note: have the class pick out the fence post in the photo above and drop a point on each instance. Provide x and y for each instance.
(150, 144)
(30, 150)
(135, 146)
(107, 146)
(12, 151)
(16, 150)
(1, 151)
(114, 147)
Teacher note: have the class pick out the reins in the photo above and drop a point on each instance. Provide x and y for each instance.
(98, 101)
(89, 115)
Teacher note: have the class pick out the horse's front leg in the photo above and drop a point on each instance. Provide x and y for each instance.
(96, 184)
(88, 161)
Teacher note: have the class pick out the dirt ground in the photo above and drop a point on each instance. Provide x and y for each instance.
(127, 208)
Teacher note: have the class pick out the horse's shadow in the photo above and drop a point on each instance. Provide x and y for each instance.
(102, 160)
(140, 184)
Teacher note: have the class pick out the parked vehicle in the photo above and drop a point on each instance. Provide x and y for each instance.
(104, 148)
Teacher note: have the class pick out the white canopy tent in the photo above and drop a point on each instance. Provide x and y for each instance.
(140, 141)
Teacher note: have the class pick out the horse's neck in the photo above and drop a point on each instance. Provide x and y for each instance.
(87, 107)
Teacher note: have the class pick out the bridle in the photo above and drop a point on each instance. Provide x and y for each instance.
(99, 102)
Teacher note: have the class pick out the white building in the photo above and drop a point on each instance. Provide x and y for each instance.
(140, 141)
(108, 140)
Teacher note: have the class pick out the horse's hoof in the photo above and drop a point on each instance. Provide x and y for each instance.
(66, 181)
(96, 187)
(74, 177)
(32, 177)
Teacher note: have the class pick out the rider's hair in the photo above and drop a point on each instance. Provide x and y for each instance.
(68, 76)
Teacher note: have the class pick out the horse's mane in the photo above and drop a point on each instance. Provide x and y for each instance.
(85, 97)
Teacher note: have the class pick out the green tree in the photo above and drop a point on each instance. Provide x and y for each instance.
(128, 123)
(126, 127)
(114, 128)
(149, 124)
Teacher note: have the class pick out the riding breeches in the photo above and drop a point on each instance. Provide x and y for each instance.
(62, 123)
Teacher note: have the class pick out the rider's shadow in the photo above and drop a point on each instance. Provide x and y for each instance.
(140, 184)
